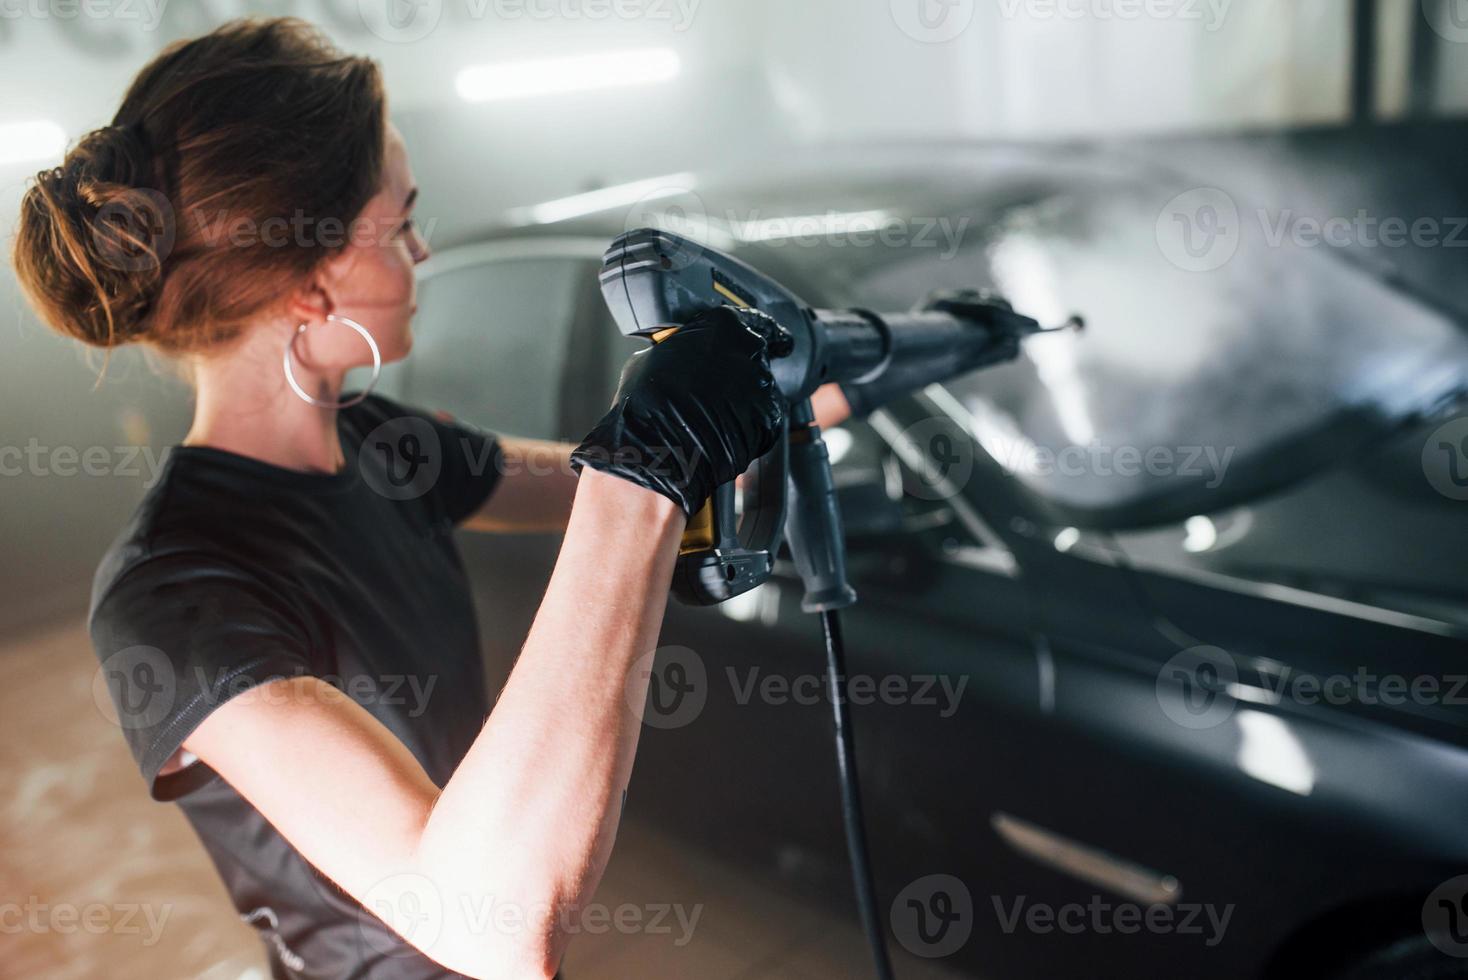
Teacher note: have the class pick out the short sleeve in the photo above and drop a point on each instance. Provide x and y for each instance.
(472, 466)
(412, 451)
(178, 636)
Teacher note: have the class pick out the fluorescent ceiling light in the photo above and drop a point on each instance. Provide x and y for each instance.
(24, 142)
(551, 76)
(618, 195)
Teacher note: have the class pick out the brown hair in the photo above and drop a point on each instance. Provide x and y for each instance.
(134, 237)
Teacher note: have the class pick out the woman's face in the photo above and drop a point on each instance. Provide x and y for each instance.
(371, 279)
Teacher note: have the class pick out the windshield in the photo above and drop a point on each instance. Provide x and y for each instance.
(1213, 335)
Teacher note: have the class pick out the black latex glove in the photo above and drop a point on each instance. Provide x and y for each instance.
(916, 369)
(692, 411)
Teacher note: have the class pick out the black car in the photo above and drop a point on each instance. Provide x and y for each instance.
(1163, 627)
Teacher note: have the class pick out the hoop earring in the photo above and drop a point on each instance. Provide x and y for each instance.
(290, 376)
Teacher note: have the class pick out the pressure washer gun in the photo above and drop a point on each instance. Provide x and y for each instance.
(653, 281)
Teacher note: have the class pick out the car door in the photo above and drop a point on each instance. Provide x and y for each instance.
(1335, 629)
(945, 596)
(1029, 827)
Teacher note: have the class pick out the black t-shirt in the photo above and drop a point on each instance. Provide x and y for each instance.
(233, 572)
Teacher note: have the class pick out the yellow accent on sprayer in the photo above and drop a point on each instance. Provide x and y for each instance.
(723, 291)
(699, 534)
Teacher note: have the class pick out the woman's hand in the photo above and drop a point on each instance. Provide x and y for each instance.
(650, 449)
(692, 411)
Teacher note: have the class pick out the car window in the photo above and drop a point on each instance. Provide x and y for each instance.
(1181, 372)
(491, 342)
(1190, 366)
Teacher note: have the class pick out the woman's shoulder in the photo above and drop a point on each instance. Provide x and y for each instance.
(158, 549)
(135, 541)
(191, 523)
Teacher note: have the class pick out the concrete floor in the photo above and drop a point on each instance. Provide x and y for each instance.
(87, 856)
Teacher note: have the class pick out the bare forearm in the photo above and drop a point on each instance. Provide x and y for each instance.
(830, 406)
(537, 484)
(548, 771)
(535, 489)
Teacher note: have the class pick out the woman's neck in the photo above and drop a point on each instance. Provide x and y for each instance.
(244, 405)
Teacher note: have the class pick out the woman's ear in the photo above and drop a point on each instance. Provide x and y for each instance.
(309, 302)
(329, 280)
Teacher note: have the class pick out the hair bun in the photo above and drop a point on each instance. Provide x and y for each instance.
(108, 233)
(118, 153)
(260, 121)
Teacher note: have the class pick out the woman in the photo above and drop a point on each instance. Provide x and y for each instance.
(284, 623)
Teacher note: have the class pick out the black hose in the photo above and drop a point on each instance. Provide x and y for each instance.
(856, 840)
